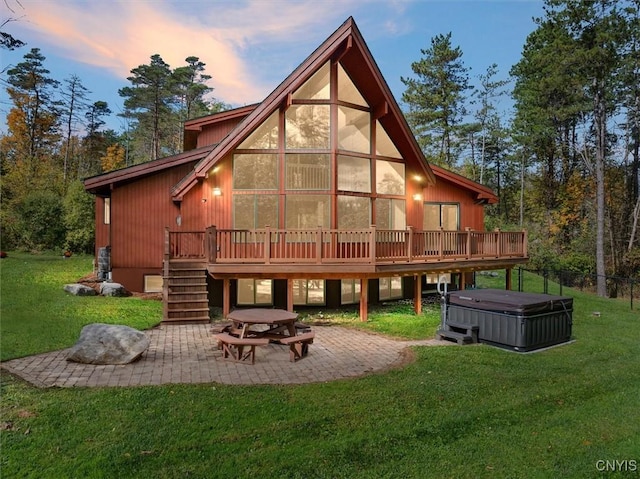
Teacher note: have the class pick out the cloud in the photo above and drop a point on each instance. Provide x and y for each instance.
(234, 39)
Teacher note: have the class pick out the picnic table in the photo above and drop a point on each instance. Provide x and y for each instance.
(281, 323)
(281, 328)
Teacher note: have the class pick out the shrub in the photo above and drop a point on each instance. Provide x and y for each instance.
(41, 226)
(79, 219)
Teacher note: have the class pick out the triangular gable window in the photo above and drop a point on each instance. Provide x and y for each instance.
(265, 137)
(316, 87)
(347, 91)
(384, 145)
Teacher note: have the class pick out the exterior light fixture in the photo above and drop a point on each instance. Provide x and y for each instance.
(417, 197)
(217, 192)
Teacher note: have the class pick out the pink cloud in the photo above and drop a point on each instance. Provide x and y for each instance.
(119, 36)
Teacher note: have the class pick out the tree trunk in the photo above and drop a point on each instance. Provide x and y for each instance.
(601, 132)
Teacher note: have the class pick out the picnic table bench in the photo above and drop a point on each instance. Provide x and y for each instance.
(298, 345)
(233, 347)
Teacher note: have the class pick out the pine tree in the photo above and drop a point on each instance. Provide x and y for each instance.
(436, 98)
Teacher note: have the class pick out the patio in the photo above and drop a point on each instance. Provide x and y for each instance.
(186, 354)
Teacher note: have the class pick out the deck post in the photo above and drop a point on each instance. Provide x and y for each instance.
(507, 279)
(468, 230)
(441, 243)
(364, 290)
(372, 244)
(410, 243)
(211, 246)
(319, 245)
(417, 294)
(498, 248)
(267, 244)
(289, 294)
(226, 297)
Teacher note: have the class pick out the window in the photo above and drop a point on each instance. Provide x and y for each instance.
(433, 278)
(255, 211)
(152, 283)
(308, 171)
(389, 178)
(354, 130)
(255, 171)
(307, 127)
(316, 87)
(390, 288)
(308, 291)
(347, 91)
(384, 145)
(390, 214)
(443, 215)
(350, 291)
(265, 137)
(308, 211)
(354, 174)
(107, 211)
(255, 291)
(354, 212)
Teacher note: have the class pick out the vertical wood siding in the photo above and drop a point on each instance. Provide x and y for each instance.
(471, 214)
(212, 134)
(102, 230)
(139, 213)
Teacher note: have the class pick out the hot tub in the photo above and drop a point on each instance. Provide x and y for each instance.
(511, 319)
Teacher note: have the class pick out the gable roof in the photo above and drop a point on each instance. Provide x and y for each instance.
(348, 45)
(101, 184)
(483, 193)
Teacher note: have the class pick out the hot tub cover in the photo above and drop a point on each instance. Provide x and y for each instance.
(510, 302)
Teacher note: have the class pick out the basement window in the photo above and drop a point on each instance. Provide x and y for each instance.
(255, 292)
(152, 283)
(390, 288)
(308, 292)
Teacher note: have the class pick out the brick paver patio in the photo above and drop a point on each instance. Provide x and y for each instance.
(188, 354)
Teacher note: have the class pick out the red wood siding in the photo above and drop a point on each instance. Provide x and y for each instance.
(212, 134)
(216, 210)
(471, 214)
(139, 213)
(102, 230)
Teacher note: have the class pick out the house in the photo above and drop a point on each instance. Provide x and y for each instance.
(319, 195)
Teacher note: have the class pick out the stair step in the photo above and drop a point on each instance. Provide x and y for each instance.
(181, 301)
(460, 338)
(465, 326)
(194, 320)
(185, 276)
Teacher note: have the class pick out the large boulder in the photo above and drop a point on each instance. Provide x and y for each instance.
(108, 344)
(78, 289)
(112, 289)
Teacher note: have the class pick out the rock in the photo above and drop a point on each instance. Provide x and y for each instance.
(112, 289)
(79, 289)
(108, 344)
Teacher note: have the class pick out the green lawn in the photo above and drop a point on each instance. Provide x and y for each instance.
(459, 412)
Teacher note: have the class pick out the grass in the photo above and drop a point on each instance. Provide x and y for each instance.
(38, 315)
(455, 412)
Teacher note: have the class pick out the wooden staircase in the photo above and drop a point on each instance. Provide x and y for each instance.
(185, 295)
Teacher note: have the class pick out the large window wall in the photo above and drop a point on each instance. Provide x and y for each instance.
(322, 161)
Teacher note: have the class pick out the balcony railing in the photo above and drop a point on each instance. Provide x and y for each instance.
(322, 246)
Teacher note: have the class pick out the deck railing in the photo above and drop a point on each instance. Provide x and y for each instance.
(322, 246)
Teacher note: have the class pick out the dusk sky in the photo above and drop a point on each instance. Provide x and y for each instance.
(250, 46)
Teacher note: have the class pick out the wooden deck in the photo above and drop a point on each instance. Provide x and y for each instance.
(333, 253)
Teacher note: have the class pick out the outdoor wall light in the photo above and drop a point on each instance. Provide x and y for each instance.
(417, 197)
(217, 192)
